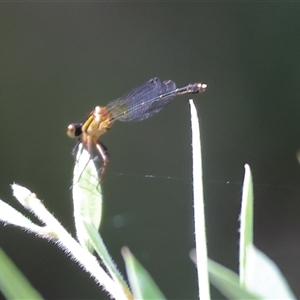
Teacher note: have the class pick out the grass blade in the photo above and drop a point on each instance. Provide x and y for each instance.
(200, 234)
(141, 283)
(106, 259)
(246, 230)
(13, 283)
(264, 277)
(227, 282)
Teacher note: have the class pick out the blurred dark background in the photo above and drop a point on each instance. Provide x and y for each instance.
(59, 60)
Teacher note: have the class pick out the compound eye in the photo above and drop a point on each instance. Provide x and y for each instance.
(74, 130)
(71, 131)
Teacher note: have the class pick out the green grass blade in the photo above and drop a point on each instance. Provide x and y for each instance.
(264, 277)
(200, 234)
(257, 272)
(227, 282)
(246, 230)
(13, 283)
(87, 197)
(141, 283)
(106, 259)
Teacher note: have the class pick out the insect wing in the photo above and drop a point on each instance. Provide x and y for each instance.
(142, 102)
(159, 103)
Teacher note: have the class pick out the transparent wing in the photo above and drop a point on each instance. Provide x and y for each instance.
(143, 102)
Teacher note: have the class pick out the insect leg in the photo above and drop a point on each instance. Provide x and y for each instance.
(105, 157)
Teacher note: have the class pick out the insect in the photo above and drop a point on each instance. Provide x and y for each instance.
(141, 103)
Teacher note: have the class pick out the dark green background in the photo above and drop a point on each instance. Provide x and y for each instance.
(59, 60)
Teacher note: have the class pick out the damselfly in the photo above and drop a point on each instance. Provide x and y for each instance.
(141, 103)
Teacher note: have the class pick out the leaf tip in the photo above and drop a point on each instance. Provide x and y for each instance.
(21, 193)
(125, 251)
